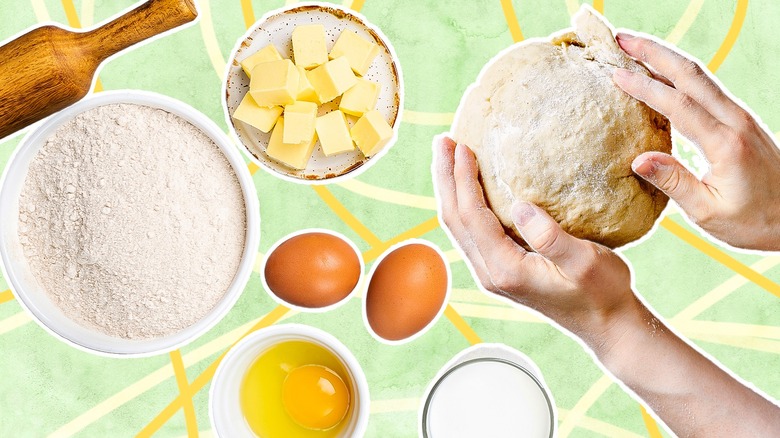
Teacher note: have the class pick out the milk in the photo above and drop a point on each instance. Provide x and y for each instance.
(488, 397)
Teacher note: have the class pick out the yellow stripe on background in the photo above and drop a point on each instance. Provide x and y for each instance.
(720, 256)
(248, 13)
(599, 6)
(463, 327)
(685, 21)
(600, 427)
(740, 342)
(394, 405)
(204, 378)
(87, 13)
(389, 196)
(496, 313)
(511, 20)
(6, 296)
(416, 231)
(181, 381)
(253, 168)
(721, 291)
(15, 321)
(210, 39)
(346, 216)
(39, 8)
(357, 5)
(426, 118)
(71, 14)
(572, 6)
(452, 256)
(581, 407)
(717, 328)
(652, 427)
(731, 37)
(146, 383)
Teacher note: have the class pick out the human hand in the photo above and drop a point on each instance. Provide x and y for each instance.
(583, 286)
(738, 199)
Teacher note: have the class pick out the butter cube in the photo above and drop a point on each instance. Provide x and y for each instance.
(361, 98)
(261, 117)
(305, 88)
(309, 48)
(332, 79)
(274, 83)
(299, 122)
(266, 54)
(333, 132)
(293, 155)
(371, 132)
(360, 52)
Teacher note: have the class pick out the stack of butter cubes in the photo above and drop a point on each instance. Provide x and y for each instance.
(285, 97)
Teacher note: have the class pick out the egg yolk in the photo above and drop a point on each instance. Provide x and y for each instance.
(315, 397)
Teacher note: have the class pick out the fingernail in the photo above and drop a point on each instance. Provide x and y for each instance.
(645, 168)
(443, 140)
(461, 151)
(624, 36)
(522, 213)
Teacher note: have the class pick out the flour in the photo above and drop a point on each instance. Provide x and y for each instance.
(132, 220)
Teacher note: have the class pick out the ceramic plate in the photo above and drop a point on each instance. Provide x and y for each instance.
(276, 28)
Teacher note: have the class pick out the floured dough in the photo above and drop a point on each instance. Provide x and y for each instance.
(549, 126)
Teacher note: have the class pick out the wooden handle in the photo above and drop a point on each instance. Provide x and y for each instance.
(147, 20)
(50, 68)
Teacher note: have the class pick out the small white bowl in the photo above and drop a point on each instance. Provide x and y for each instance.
(32, 296)
(224, 395)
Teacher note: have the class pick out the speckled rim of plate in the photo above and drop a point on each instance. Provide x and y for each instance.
(385, 69)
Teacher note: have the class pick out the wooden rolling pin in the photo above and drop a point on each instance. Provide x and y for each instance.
(50, 68)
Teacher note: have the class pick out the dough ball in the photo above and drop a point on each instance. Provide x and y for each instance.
(549, 126)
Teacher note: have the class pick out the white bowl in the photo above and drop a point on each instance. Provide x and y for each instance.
(276, 28)
(224, 395)
(32, 296)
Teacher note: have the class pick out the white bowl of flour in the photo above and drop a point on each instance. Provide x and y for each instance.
(130, 224)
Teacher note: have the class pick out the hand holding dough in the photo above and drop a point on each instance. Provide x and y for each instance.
(549, 126)
(738, 199)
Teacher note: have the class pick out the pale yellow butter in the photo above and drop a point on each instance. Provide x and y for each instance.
(293, 155)
(333, 132)
(274, 83)
(299, 122)
(371, 133)
(332, 79)
(305, 88)
(266, 54)
(261, 117)
(361, 98)
(309, 49)
(359, 51)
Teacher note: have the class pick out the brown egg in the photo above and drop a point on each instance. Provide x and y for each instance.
(406, 291)
(312, 270)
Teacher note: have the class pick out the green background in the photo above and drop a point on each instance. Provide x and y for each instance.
(46, 384)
